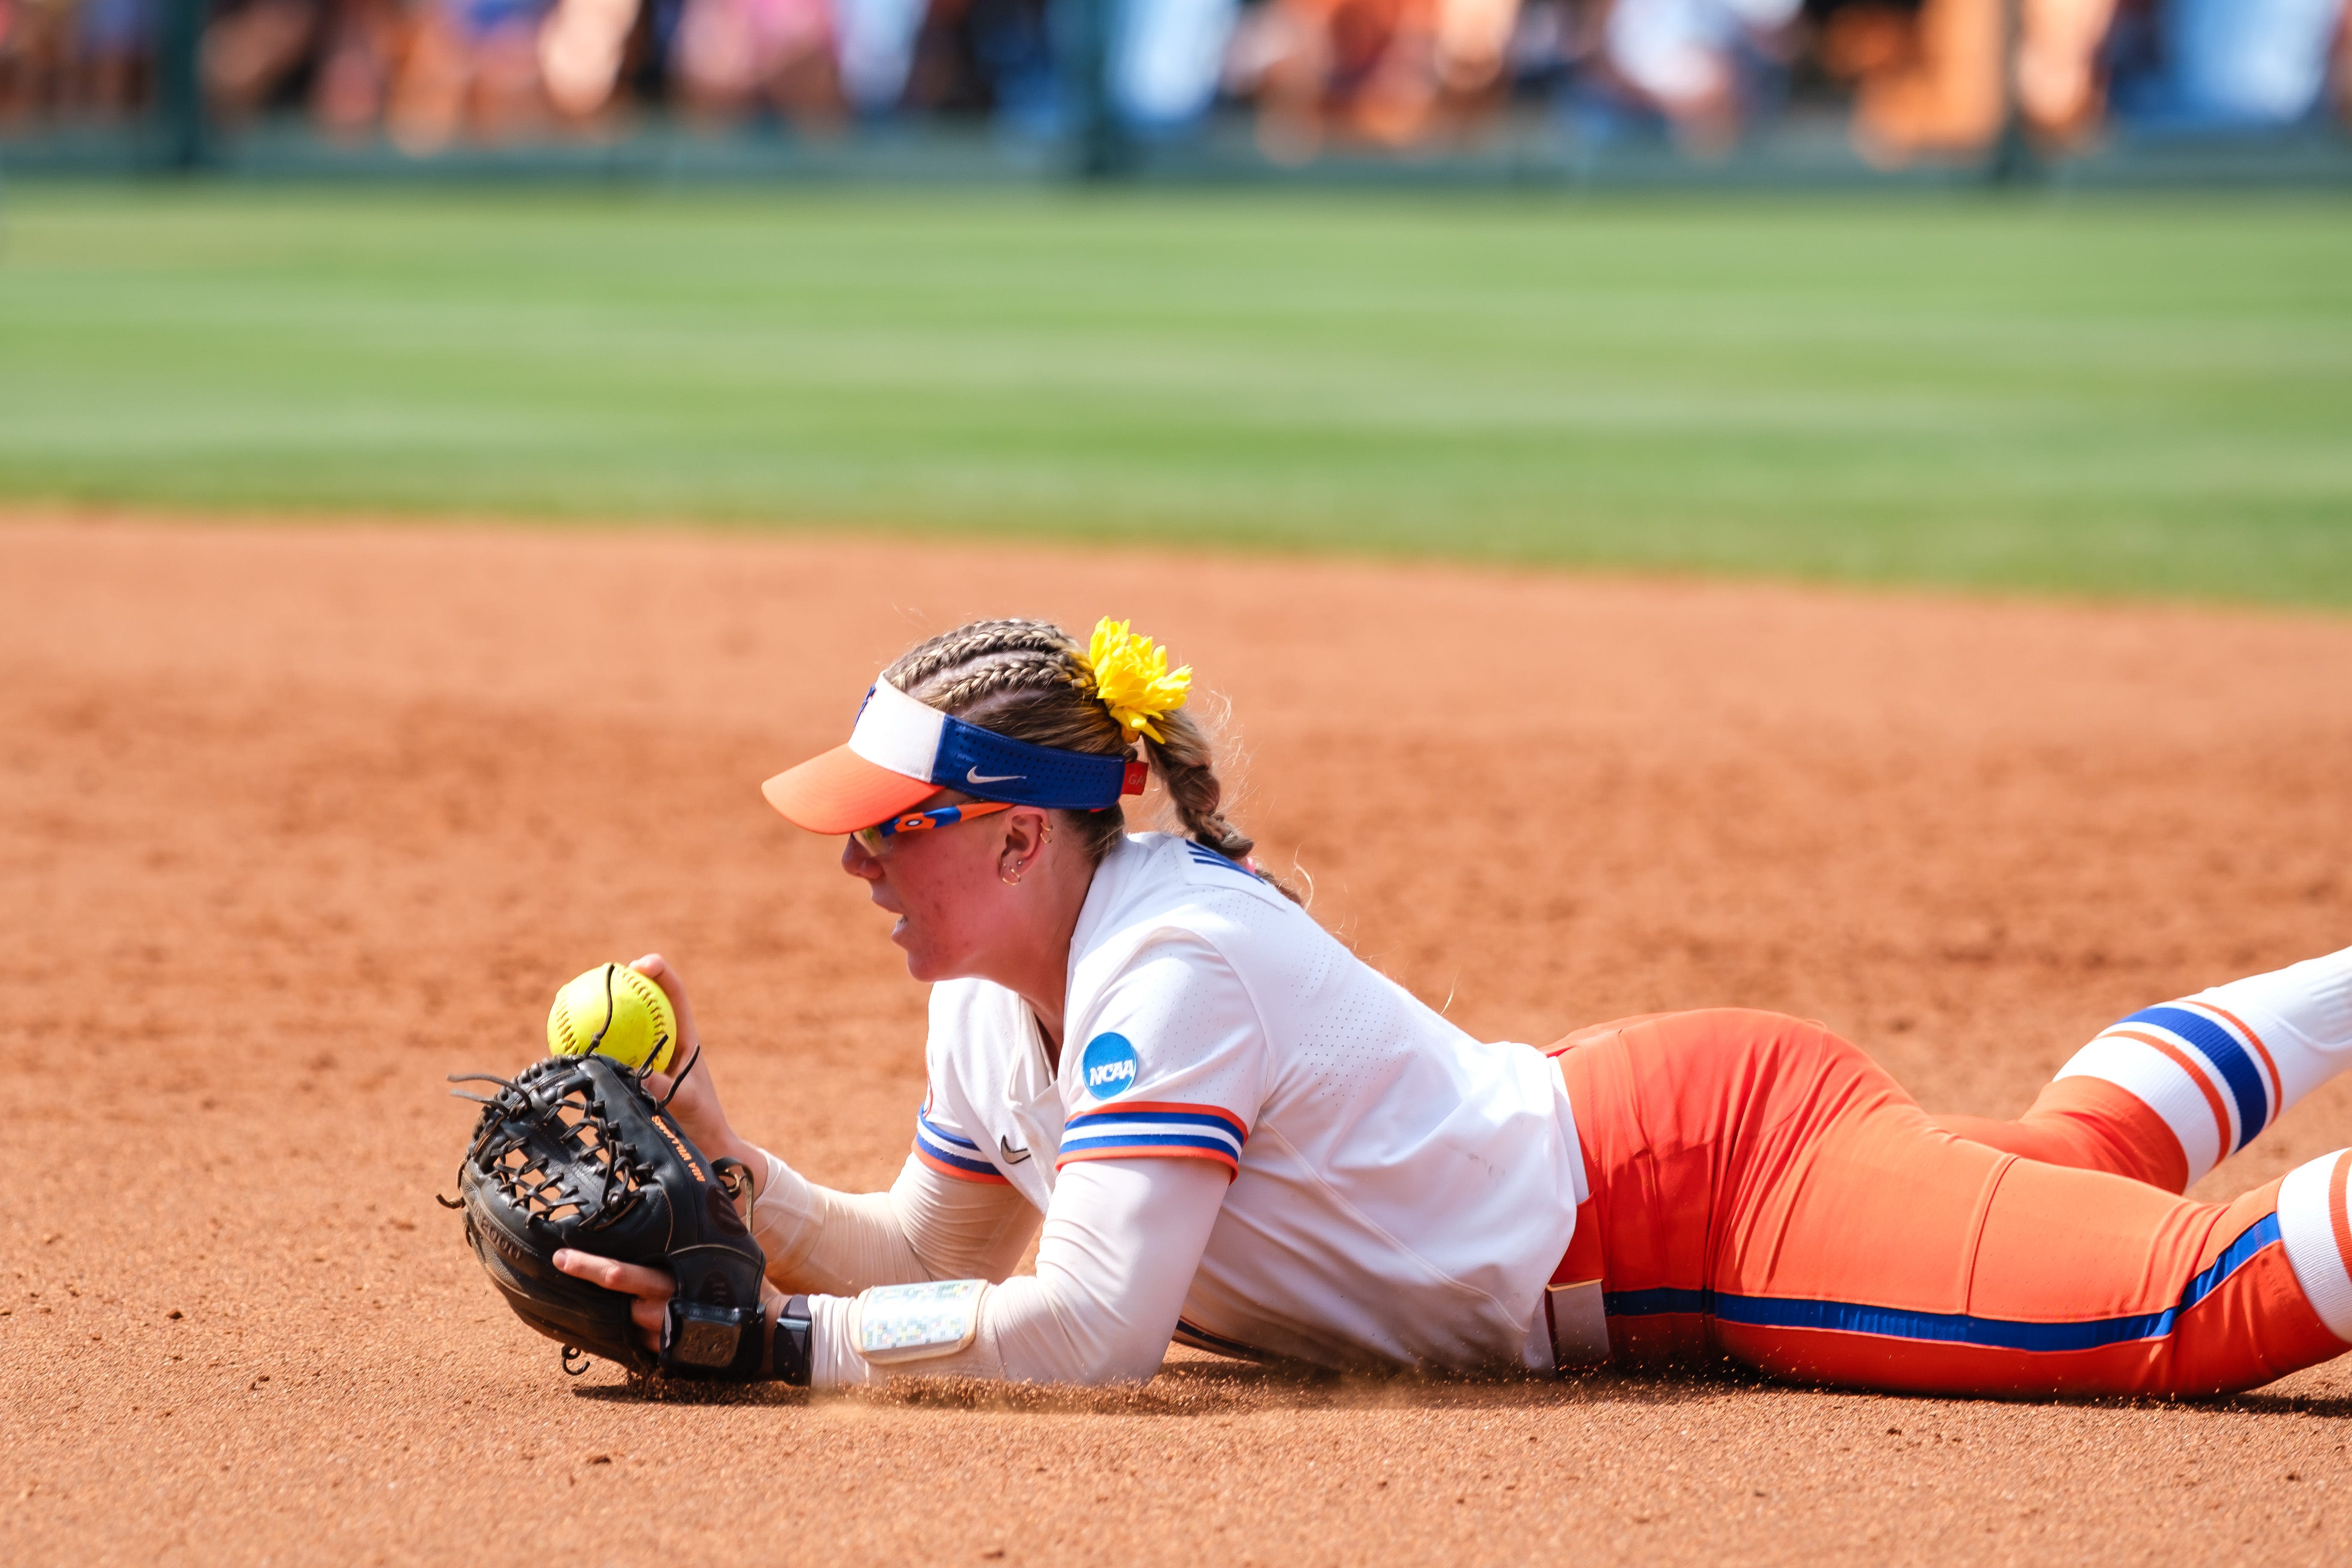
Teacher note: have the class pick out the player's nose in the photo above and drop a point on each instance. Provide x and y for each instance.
(858, 862)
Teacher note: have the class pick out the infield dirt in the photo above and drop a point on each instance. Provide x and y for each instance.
(295, 821)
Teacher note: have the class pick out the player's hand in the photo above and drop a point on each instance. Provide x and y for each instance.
(696, 1109)
(651, 1287)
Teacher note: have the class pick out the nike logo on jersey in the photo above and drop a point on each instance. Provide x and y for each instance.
(1011, 1156)
(973, 775)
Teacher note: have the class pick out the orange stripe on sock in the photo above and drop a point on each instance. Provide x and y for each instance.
(2278, 1084)
(2336, 1212)
(2181, 1059)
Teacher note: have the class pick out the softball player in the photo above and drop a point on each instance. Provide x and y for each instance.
(1236, 1134)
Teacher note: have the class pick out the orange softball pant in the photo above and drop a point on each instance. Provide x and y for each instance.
(1761, 1191)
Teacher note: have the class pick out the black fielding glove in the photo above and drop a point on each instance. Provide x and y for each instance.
(574, 1153)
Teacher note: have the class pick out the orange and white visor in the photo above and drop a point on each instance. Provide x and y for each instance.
(902, 751)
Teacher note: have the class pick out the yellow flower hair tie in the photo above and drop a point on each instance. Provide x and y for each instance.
(1130, 677)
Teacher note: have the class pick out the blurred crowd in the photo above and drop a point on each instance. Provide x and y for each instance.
(1916, 77)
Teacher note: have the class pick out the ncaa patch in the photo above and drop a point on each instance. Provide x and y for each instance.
(1108, 1068)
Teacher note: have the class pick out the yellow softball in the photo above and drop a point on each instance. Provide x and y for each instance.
(615, 1011)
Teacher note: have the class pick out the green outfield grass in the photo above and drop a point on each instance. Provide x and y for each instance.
(2089, 396)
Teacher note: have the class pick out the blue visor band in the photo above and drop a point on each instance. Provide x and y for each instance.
(896, 732)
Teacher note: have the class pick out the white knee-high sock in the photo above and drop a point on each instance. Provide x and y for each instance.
(2303, 1016)
(2317, 1233)
(2221, 1064)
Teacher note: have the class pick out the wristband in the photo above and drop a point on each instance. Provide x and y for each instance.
(789, 1361)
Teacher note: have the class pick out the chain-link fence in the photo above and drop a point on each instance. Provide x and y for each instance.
(1439, 89)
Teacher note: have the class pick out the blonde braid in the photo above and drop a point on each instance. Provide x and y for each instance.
(978, 640)
(959, 689)
(1187, 764)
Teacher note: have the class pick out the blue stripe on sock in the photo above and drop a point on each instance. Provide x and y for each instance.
(1951, 1327)
(2238, 1070)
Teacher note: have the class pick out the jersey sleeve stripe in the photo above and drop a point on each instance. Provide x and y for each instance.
(1144, 1132)
(950, 1155)
(1196, 1131)
(1147, 1146)
(1161, 1111)
(958, 1166)
(926, 1128)
(1171, 1129)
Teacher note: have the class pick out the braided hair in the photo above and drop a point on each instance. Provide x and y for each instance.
(1025, 679)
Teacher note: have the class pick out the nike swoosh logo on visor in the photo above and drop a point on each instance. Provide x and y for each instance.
(973, 775)
(1011, 1156)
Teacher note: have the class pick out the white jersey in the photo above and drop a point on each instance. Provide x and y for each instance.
(1400, 1193)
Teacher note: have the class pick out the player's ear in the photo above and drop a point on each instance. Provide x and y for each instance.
(1024, 835)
